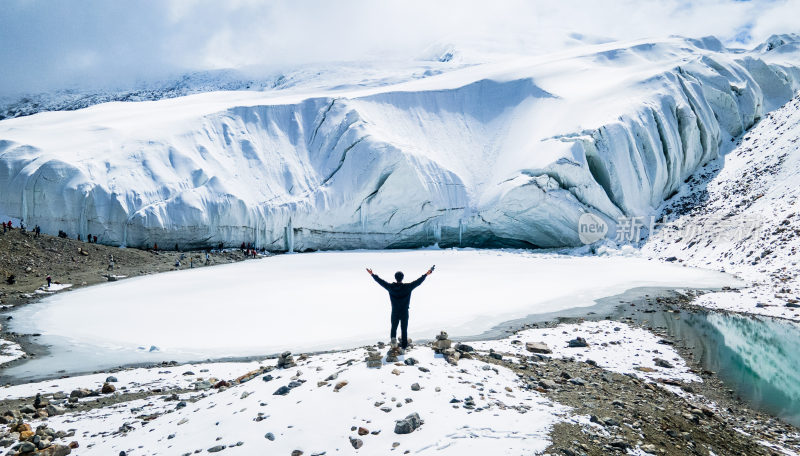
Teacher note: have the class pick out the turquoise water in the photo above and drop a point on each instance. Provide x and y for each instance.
(756, 357)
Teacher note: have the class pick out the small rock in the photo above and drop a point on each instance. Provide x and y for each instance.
(111, 379)
(409, 424)
(663, 363)
(415, 387)
(340, 385)
(108, 388)
(363, 431)
(27, 447)
(282, 391)
(216, 449)
(357, 443)
(269, 436)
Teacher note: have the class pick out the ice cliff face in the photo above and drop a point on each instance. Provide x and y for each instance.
(501, 154)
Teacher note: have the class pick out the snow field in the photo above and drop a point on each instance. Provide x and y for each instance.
(320, 301)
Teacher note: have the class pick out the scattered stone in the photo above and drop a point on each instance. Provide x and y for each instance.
(108, 388)
(357, 443)
(340, 385)
(409, 424)
(111, 379)
(282, 391)
(663, 363)
(269, 436)
(53, 410)
(410, 362)
(27, 447)
(451, 356)
(547, 384)
(363, 431)
(415, 387)
(578, 342)
(216, 449)
(54, 450)
(80, 393)
(538, 347)
(464, 348)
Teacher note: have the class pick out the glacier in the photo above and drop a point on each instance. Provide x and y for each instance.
(508, 153)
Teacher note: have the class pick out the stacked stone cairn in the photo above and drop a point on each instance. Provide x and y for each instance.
(443, 346)
(374, 359)
(286, 360)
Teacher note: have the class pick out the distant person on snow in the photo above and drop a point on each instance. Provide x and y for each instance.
(400, 296)
(49, 281)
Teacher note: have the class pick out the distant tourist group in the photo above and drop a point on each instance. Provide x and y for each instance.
(7, 226)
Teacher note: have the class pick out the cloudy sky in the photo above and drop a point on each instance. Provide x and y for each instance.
(84, 43)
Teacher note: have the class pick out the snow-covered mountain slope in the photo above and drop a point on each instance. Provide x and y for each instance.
(504, 153)
(740, 215)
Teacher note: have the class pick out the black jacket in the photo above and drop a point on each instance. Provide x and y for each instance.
(399, 293)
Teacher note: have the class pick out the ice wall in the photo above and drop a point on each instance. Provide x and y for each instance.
(498, 155)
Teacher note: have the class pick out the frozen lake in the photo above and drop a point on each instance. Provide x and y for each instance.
(320, 301)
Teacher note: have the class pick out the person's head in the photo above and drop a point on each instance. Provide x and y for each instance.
(398, 276)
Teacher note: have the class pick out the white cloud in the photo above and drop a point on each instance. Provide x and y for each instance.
(57, 44)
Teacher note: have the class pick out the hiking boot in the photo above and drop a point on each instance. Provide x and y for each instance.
(393, 342)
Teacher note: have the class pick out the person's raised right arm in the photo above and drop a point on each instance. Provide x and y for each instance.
(380, 281)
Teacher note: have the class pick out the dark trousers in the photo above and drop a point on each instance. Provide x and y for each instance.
(400, 317)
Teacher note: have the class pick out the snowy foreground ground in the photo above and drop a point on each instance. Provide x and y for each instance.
(337, 392)
(320, 301)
